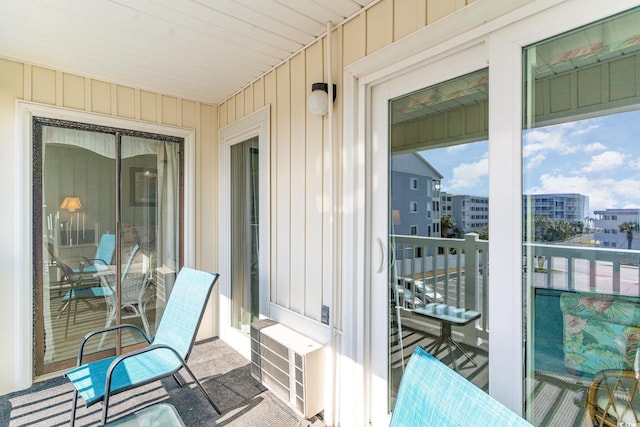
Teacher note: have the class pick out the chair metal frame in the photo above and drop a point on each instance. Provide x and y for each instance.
(164, 356)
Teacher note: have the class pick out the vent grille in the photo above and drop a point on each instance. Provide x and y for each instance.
(289, 364)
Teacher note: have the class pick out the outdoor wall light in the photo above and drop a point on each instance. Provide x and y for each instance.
(317, 102)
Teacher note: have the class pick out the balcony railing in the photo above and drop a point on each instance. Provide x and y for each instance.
(451, 271)
(584, 269)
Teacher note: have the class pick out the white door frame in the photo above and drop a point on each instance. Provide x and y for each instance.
(256, 124)
(465, 61)
(518, 24)
(25, 111)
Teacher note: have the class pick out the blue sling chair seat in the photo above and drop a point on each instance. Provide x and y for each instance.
(165, 355)
(432, 394)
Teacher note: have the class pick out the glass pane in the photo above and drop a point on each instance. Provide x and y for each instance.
(438, 230)
(78, 240)
(244, 240)
(581, 213)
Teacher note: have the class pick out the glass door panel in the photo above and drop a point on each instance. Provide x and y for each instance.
(438, 227)
(581, 216)
(77, 222)
(110, 236)
(245, 307)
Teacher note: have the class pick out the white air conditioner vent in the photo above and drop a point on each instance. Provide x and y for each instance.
(289, 364)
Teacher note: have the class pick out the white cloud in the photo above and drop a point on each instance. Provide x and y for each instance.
(466, 175)
(560, 139)
(605, 161)
(535, 161)
(596, 146)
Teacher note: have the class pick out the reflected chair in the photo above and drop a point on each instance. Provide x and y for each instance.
(133, 296)
(432, 394)
(104, 255)
(165, 355)
(613, 398)
(80, 289)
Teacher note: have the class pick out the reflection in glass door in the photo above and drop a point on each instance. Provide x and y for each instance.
(581, 222)
(107, 238)
(438, 228)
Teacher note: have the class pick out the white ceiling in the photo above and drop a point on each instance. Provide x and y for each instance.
(202, 50)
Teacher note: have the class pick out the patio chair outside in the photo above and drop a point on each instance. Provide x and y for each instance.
(164, 356)
(432, 394)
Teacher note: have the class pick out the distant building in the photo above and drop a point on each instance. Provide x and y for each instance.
(415, 196)
(607, 233)
(469, 213)
(572, 207)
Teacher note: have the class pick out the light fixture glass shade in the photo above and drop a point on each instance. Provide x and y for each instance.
(71, 204)
(317, 102)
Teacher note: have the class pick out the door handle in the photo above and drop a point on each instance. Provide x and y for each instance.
(381, 246)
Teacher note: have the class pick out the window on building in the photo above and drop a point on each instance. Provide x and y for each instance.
(413, 207)
(413, 183)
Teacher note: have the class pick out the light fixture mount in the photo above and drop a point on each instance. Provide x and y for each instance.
(317, 103)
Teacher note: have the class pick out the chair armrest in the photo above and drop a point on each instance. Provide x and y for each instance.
(104, 331)
(92, 261)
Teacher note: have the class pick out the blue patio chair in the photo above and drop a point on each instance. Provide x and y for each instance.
(165, 355)
(432, 394)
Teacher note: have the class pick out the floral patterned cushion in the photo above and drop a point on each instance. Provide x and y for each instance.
(600, 331)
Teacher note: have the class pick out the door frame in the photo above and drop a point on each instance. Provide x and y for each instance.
(517, 24)
(256, 124)
(23, 209)
(470, 59)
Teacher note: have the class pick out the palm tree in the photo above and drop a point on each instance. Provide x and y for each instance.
(446, 222)
(629, 228)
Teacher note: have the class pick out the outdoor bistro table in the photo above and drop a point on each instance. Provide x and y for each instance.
(159, 414)
(447, 316)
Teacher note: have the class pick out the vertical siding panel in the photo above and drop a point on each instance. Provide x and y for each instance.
(408, 16)
(222, 114)
(270, 97)
(169, 110)
(298, 193)
(283, 183)
(114, 98)
(258, 94)
(126, 102)
(248, 100)
(206, 190)
(27, 82)
(15, 82)
(239, 97)
(59, 89)
(437, 9)
(148, 106)
(231, 110)
(188, 114)
(43, 85)
(379, 26)
(100, 97)
(314, 189)
(354, 45)
(73, 91)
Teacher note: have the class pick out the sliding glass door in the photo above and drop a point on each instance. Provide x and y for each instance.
(107, 235)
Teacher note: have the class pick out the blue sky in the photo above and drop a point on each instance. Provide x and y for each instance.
(597, 157)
